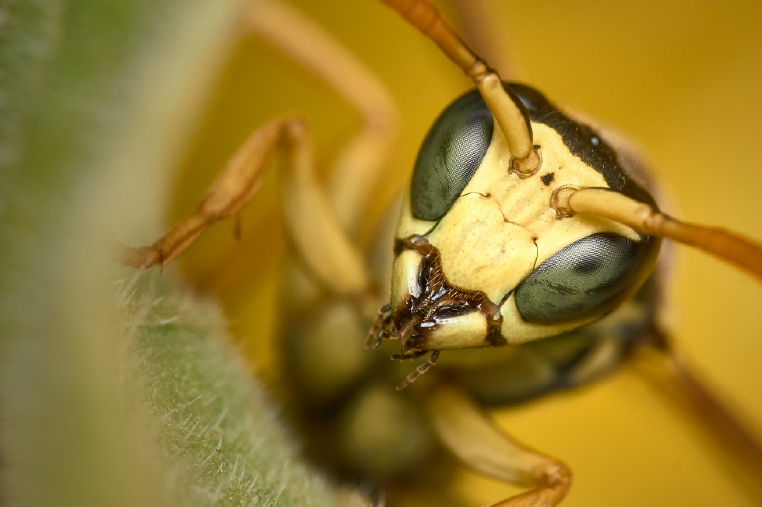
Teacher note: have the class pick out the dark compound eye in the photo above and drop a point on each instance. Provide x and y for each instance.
(587, 278)
(532, 99)
(451, 153)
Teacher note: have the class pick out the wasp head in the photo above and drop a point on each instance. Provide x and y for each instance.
(484, 257)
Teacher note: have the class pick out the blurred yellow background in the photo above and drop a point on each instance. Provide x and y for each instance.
(682, 79)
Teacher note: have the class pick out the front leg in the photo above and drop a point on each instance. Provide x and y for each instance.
(469, 434)
(310, 219)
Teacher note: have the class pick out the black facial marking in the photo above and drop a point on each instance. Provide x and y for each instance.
(548, 178)
(438, 298)
(582, 141)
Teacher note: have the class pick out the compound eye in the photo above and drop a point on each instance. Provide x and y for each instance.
(585, 279)
(532, 99)
(451, 153)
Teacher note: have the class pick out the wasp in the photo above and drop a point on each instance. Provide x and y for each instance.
(512, 207)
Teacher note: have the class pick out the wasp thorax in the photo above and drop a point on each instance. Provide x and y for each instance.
(484, 256)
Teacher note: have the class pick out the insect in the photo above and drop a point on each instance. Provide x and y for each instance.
(442, 103)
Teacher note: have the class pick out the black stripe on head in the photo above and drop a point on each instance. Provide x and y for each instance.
(459, 139)
(582, 141)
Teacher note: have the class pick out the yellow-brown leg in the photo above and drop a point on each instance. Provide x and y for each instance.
(234, 186)
(314, 226)
(469, 434)
(318, 221)
(310, 218)
(356, 169)
(726, 429)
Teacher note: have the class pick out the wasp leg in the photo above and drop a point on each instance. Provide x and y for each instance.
(357, 167)
(726, 429)
(314, 226)
(355, 171)
(469, 434)
(310, 218)
(319, 225)
(234, 186)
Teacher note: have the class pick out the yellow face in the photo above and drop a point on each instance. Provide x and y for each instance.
(518, 269)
